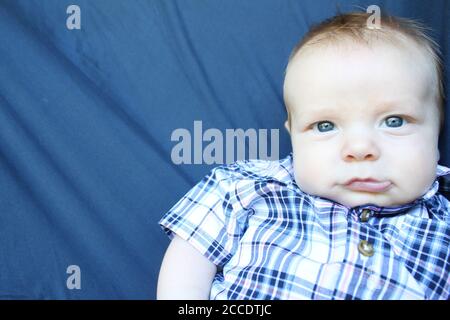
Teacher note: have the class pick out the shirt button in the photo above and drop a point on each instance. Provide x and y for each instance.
(365, 248)
(365, 215)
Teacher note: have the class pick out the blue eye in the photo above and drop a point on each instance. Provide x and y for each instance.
(394, 122)
(324, 126)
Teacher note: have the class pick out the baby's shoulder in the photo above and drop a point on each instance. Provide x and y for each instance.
(255, 170)
(444, 186)
(438, 208)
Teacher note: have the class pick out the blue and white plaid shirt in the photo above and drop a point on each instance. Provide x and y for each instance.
(270, 240)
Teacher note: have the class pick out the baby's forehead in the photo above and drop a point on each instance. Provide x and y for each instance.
(349, 46)
(366, 77)
(405, 62)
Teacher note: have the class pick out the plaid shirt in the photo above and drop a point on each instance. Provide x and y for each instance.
(270, 240)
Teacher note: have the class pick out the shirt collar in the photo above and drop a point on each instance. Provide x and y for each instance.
(287, 176)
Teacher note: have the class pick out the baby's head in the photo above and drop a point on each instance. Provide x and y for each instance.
(365, 104)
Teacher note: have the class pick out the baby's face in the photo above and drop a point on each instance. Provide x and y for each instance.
(363, 113)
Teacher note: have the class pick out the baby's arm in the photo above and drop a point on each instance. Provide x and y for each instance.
(185, 273)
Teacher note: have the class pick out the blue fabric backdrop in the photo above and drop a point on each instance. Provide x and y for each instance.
(86, 118)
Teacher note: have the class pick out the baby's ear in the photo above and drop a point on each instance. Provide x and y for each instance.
(286, 125)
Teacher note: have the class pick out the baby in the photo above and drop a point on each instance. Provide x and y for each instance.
(353, 212)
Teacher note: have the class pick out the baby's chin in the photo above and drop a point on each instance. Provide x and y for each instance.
(353, 199)
(396, 195)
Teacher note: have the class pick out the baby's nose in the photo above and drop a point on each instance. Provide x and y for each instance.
(360, 148)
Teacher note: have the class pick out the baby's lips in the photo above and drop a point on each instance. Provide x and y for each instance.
(368, 185)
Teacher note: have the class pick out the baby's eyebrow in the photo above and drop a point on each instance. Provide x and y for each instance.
(400, 106)
(409, 105)
(319, 112)
(390, 105)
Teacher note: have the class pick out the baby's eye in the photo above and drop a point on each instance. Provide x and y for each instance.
(324, 126)
(394, 121)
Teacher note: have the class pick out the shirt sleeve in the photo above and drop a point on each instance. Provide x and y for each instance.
(209, 216)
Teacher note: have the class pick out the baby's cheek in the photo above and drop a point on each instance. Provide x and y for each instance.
(414, 169)
(310, 173)
(422, 173)
(315, 158)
